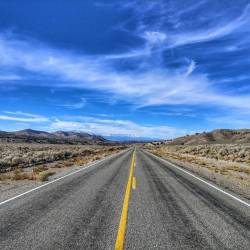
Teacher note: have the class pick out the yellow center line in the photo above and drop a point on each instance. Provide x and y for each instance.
(134, 183)
(119, 244)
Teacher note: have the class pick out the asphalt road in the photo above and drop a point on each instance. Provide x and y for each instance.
(168, 209)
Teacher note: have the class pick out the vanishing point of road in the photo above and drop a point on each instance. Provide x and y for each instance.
(131, 200)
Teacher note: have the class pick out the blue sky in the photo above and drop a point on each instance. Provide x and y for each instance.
(151, 69)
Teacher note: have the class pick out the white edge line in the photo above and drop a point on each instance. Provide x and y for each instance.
(60, 178)
(209, 184)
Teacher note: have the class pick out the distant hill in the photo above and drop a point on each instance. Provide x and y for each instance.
(216, 136)
(59, 137)
(128, 139)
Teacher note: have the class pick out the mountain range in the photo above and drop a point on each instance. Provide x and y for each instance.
(58, 137)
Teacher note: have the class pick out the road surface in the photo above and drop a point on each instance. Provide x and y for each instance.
(166, 209)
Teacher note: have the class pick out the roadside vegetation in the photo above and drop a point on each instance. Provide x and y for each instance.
(225, 164)
(38, 162)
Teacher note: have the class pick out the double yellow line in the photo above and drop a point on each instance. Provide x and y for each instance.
(123, 221)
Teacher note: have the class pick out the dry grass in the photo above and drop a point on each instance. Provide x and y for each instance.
(39, 174)
(18, 174)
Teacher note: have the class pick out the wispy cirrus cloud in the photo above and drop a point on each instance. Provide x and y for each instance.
(150, 82)
(154, 38)
(10, 77)
(182, 23)
(20, 116)
(155, 86)
(232, 121)
(218, 31)
(77, 105)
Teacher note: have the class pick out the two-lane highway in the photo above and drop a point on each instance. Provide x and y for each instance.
(141, 201)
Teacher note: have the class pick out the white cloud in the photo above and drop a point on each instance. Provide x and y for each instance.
(116, 127)
(190, 68)
(102, 126)
(77, 105)
(154, 37)
(213, 33)
(152, 86)
(20, 116)
(190, 34)
(153, 41)
(10, 77)
(232, 121)
(21, 113)
(21, 119)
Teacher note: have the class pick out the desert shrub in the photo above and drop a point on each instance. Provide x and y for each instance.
(228, 152)
(14, 155)
(18, 174)
(97, 158)
(43, 176)
(40, 169)
(68, 163)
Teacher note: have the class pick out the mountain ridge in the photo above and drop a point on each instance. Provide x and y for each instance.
(217, 136)
(58, 137)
